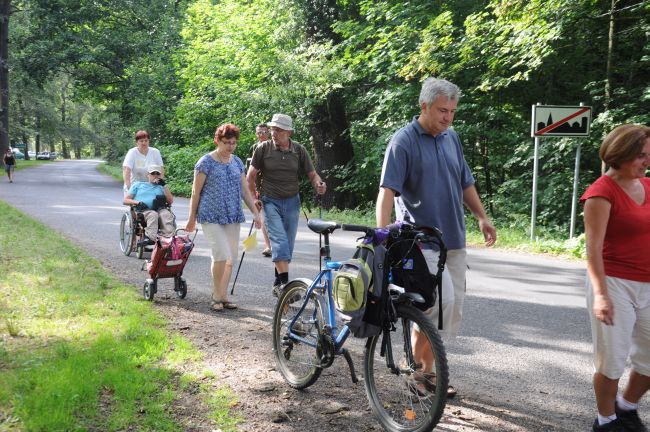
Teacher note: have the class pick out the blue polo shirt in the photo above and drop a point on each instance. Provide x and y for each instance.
(146, 192)
(428, 174)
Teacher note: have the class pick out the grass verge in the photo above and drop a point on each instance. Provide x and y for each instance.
(112, 170)
(80, 350)
(22, 164)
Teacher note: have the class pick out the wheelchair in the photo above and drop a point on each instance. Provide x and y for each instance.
(132, 234)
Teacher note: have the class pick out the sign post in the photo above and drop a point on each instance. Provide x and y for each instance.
(558, 121)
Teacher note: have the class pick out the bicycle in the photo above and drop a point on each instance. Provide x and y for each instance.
(307, 339)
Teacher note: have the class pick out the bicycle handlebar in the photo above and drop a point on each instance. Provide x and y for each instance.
(358, 228)
(424, 235)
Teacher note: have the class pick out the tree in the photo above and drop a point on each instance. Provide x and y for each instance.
(5, 11)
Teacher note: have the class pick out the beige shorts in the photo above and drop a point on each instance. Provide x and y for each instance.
(223, 240)
(630, 334)
(453, 290)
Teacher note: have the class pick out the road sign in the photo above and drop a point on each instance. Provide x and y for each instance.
(20, 145)
(560, 121)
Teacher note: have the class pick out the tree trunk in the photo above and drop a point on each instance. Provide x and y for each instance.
(333, 148)
(64, 148)
(5, 10)
(608, 70)
(22, 116)
(37, 138)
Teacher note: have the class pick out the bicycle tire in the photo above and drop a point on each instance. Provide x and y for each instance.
(406, 399)
(298, 362)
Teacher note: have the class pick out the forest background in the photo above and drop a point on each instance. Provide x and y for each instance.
(84, 75)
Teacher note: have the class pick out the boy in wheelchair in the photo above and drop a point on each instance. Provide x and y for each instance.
(152, 199)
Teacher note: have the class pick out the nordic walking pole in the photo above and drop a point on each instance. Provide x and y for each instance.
(241, 261)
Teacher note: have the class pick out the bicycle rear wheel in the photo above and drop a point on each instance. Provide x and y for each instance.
(298, 362)
(403, 395)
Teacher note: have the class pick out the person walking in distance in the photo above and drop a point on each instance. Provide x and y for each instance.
(9, 160)
(426, 177)
(616, 212)
(281, 161)
(262, 134)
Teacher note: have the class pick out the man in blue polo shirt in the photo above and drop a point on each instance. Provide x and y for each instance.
(426, 177)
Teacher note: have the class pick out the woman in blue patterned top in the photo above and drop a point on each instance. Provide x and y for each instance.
(217, 191)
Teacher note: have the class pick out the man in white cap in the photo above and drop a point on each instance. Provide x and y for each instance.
(282, 162)
(152, 198)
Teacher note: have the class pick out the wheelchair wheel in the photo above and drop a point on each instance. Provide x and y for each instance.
(126, 234)
(180, 287)
(149, 289)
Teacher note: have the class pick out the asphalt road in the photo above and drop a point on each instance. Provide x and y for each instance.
(524, 354)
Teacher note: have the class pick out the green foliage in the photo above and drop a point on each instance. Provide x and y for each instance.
(179, 166)
(180, 69)
(78, 351)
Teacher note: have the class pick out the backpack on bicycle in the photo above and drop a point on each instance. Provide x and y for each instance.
(409, 269)
(358, 291)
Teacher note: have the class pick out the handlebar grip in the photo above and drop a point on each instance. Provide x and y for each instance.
(359, 228)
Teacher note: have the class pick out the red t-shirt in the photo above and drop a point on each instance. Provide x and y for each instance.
(626, 248)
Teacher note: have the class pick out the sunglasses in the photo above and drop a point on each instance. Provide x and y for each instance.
(154, 173)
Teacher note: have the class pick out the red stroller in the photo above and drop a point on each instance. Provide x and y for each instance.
(168, 260)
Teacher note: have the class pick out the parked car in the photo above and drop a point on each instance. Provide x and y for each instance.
(32, 154)
(18, 154)
(43, 156)
(53, 155)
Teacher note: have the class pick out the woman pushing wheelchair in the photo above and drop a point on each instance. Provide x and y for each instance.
(152, 198)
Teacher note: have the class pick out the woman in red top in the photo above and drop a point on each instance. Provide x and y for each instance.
(617, 229)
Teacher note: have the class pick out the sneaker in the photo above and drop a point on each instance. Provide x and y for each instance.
(614, 426)
(266, 252)
(277, 289)
(631, 420)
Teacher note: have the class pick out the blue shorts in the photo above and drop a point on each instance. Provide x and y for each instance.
(281, 222)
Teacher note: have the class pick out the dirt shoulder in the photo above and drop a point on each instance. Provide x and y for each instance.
(237, 348)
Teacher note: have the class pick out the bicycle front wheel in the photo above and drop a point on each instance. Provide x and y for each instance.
(406, 381)
(296, 353)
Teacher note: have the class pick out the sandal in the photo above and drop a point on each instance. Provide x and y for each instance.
(426, 381)
(217, 306)
(229, 305)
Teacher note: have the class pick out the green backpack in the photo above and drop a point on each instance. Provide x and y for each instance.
(358, 288)
(351, 285)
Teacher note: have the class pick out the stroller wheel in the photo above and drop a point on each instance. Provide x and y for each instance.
(180, 286)
(149, 289)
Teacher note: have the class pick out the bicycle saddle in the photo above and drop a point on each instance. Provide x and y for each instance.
(322, 227)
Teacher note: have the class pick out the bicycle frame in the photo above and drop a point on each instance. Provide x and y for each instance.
(321, 288)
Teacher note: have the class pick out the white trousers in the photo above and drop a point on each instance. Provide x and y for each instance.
(453, 291)
(630, 334)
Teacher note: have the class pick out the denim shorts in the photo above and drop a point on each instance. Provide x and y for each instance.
(281, 220)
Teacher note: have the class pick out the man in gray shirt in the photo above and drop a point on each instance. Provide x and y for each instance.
(282, 162)
(427, 178)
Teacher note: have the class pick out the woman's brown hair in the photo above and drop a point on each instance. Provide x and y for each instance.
(623, 144)
(227, 131)
(141, 134)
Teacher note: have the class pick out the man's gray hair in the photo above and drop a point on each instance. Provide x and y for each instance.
(434, 87)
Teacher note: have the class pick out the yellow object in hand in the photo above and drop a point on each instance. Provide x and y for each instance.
(250, 242)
